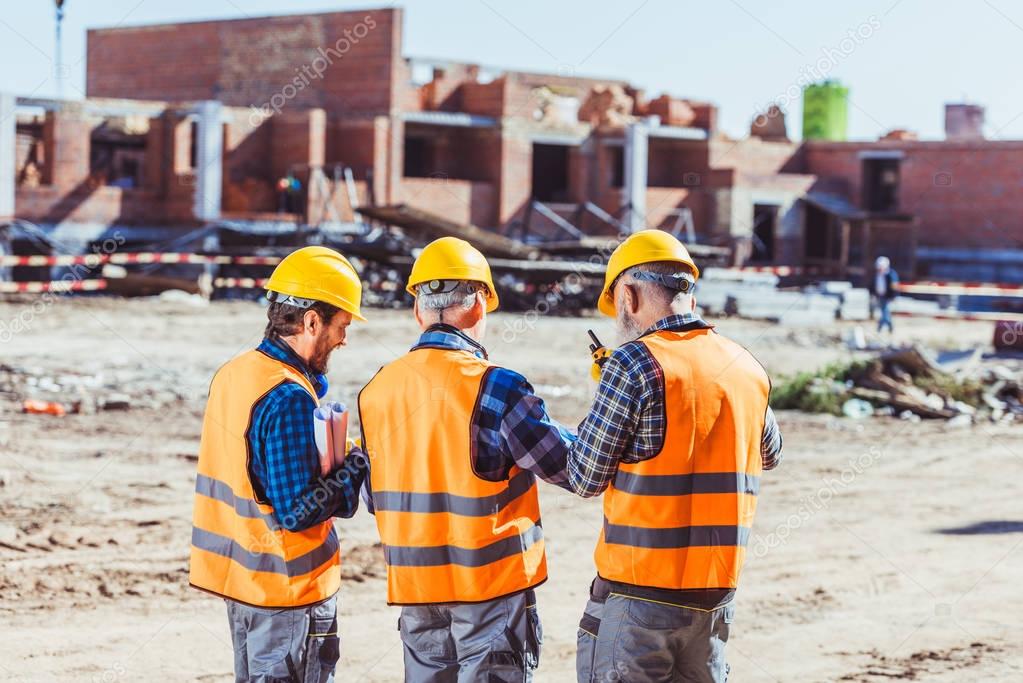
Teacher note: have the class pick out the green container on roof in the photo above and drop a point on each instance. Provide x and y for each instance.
(825, 111)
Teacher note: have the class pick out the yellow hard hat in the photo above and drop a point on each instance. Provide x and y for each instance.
(645, 246)
(450, 258)
(319, 274)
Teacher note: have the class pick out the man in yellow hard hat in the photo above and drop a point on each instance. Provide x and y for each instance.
(455, 445)
(263, 535)
(676, 440)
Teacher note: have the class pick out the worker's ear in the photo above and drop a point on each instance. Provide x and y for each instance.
(478, 310)
(629, 298)
(312, 322)
(415, 311)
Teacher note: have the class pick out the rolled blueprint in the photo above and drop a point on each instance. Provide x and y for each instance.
(339, 432)
(330, 425)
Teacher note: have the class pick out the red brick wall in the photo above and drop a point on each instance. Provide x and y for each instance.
(248, 180)
(102, 204)
(660, 201)
(66, 141)
(253, 62)
(371, 147)
(515, 177)
(676, 163)
(461, 201)
(966, 194)
(484, 99)
(351, 143)
(297, 139)
(755, 161)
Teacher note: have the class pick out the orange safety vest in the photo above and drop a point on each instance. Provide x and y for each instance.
(681, 519)
(448, 535)
(239, 550)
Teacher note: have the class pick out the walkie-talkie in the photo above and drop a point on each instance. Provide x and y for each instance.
(600, 354)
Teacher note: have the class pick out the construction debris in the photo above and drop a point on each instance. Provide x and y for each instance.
(607, 105)
(913, 384)
(37, 391)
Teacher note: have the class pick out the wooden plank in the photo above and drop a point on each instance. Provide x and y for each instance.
(431, 226)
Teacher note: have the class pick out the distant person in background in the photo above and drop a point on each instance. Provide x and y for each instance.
(288, 188)
(883, 290)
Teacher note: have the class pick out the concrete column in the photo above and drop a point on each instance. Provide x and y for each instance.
(209, 161)
(395, 159)
(8, 122)
(637, 138)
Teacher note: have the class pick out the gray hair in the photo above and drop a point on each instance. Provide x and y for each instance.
(440, 295)
(678, 301)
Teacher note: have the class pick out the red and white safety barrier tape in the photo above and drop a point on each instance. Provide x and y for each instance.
(984, 316)
(53, 286)
(781, 271)
(239, 282)
(960, 288)
(142, 257)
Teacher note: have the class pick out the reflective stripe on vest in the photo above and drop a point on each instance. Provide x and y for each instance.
(483, 506)
(681, 519)
(246, 507)
(436, 556)
(239, 550)
(265, 562)
(687, 484)
(448, 535)
(675, 537)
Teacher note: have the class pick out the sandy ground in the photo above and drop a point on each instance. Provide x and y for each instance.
(882, 550)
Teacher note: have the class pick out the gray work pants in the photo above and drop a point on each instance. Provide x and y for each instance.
(649, 642)
(488, 642)
(298, 645)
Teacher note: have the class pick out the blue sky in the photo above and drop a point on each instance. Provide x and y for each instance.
(901, 59)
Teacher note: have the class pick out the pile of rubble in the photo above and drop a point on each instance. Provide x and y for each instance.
(913, 384)
(61, 392)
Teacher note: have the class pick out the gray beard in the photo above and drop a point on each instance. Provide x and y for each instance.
(627, 328)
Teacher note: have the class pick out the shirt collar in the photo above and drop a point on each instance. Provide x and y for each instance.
(675, 322)
(442, 336)
(280, 350)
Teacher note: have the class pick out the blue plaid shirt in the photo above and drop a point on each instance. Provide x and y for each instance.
(511, 426)
(285, 463)
(627, 422)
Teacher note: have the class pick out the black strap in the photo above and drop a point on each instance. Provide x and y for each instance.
(292, 672)
(698, 598)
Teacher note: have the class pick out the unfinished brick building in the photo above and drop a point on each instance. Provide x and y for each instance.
(193, 123)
